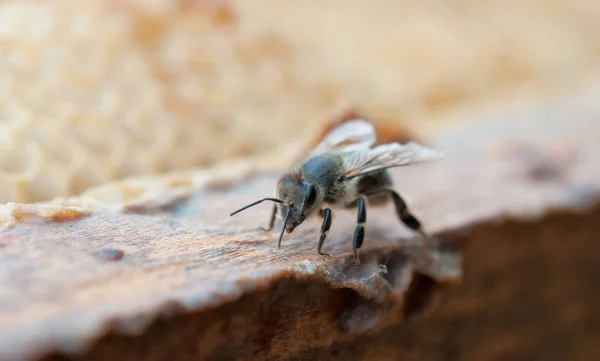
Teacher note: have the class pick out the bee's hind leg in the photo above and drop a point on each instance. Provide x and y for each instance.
(359, 233)
(402, 211)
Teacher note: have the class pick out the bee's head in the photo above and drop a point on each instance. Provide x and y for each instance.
(299, 199)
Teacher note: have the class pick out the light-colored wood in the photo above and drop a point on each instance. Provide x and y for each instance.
(66, 284)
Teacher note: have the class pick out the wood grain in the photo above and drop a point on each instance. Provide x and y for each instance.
(188, 282)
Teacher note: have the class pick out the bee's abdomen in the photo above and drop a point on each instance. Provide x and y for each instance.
(373, 181)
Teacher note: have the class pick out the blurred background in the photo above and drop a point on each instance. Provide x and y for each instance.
(98, 90)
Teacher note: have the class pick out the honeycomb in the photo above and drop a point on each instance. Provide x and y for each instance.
(93, 91)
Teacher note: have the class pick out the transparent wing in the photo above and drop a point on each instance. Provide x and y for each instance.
(351, 135)
(363, 161)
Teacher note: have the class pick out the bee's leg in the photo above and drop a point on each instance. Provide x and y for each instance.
(271, 221)
(324, 229)
(401, 210)
(405, 216)
(359, 233)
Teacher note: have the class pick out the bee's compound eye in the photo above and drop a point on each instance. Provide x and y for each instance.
(310, 194)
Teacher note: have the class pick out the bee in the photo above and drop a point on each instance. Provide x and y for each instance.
(345, 171)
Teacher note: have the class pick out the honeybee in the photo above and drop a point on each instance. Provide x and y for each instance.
(346, 170)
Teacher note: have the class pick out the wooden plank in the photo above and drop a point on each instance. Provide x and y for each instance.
(190, 282)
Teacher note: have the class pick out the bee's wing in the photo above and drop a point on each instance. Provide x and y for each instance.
(351, 135)
(363, 161)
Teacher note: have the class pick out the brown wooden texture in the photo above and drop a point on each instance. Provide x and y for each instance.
(188, 282)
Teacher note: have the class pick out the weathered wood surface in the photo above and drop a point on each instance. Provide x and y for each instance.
(190, 282)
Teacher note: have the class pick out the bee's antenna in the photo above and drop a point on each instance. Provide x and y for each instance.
(255, 203)
(287, 215)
